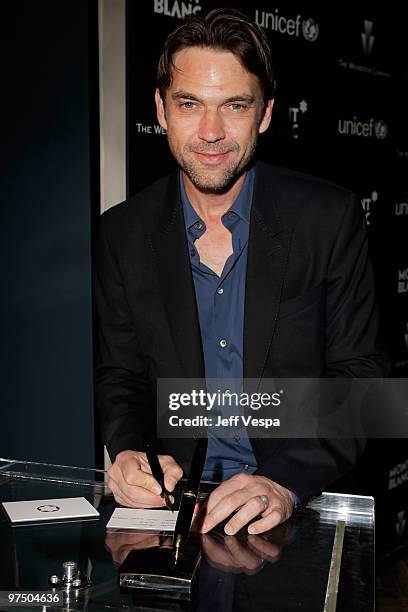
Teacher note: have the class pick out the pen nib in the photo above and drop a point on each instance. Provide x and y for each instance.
(169, 505)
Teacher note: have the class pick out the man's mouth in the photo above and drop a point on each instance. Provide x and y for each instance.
(211, 158)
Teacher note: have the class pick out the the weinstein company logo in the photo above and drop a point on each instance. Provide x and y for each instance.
(367, 39)
(367, 43)
(143, 128)
(174, 8)
(363, 129)
(290, 26)
(366, 204)
(295, 113)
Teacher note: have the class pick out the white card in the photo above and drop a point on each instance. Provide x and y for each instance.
(49, 509)
(144, 519)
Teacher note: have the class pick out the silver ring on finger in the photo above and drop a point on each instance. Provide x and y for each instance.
(264, 499)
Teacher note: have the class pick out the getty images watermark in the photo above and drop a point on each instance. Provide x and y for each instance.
(283, 408)
(217, 402)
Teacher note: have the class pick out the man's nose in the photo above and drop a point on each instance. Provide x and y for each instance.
(211, 126)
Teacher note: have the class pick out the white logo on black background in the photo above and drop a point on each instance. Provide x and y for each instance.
(403, 280)
(144, 128)
(398, 475)
(366, 204)
(381, 130)
(401, 208)
(367, 39)
(310, 29)
(367, 42)
(288, 25)
(363, 129)
(295, 113)
(174, 8)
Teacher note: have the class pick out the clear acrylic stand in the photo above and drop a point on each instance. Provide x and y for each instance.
(60, 474)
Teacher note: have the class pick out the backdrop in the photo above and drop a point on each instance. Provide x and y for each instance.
(340, 113)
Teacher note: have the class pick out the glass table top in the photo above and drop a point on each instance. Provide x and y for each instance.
(287, 568)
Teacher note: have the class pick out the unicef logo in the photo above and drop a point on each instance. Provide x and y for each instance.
(310, 29)
(381, 130)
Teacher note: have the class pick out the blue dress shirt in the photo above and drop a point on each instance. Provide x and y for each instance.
(220, 302)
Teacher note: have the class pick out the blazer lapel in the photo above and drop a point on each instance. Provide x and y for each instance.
(268, 252)
(169, 244)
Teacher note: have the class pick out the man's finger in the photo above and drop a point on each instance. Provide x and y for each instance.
(275, 517)
(217, 554)
(119, 496)
(140, 478)
(171, 470)
(223, 490)
(224, 509)
(133, 469)
(122, 499)
(263, 548)
(142, 498)
(249, 510)
(245, 556)
(135, 497)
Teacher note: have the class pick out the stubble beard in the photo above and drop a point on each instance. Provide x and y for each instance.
(210, 181)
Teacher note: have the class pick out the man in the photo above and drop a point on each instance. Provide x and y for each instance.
(228, 269)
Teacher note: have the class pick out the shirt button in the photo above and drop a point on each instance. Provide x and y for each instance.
(193, 252)
(198, 225)
(220, 291)
(237, 438)
(223, 343)
(246, 466)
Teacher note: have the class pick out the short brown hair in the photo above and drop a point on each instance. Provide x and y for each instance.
(224, 30)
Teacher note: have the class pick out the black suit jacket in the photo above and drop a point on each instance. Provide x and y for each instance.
(309, 311)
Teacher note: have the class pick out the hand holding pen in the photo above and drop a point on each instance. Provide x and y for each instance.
(157, 472)
(134, 485)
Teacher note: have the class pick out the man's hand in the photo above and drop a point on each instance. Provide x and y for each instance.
(132, 483)
(120, 544)
(248, 553)
(247, 495)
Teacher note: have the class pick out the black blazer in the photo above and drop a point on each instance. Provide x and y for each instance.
(309, 311)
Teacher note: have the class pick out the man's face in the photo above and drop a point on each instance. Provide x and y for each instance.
(213, 112)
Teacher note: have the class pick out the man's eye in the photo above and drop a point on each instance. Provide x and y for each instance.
(237, 106)
(187, 105)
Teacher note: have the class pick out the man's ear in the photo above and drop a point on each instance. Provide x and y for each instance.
(161, 114)
(267, 116)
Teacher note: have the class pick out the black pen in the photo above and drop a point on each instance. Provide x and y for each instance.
(157, 472)
(190, 495)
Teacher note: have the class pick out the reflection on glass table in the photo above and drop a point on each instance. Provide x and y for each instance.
(285, 569)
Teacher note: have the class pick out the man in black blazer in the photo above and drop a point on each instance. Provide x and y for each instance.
(303, 286)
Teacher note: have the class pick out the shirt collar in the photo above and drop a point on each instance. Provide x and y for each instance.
(241, 205)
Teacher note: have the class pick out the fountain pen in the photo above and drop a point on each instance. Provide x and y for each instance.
(157, 472)
(190, 496)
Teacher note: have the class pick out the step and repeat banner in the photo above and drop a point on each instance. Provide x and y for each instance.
(340, 113)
